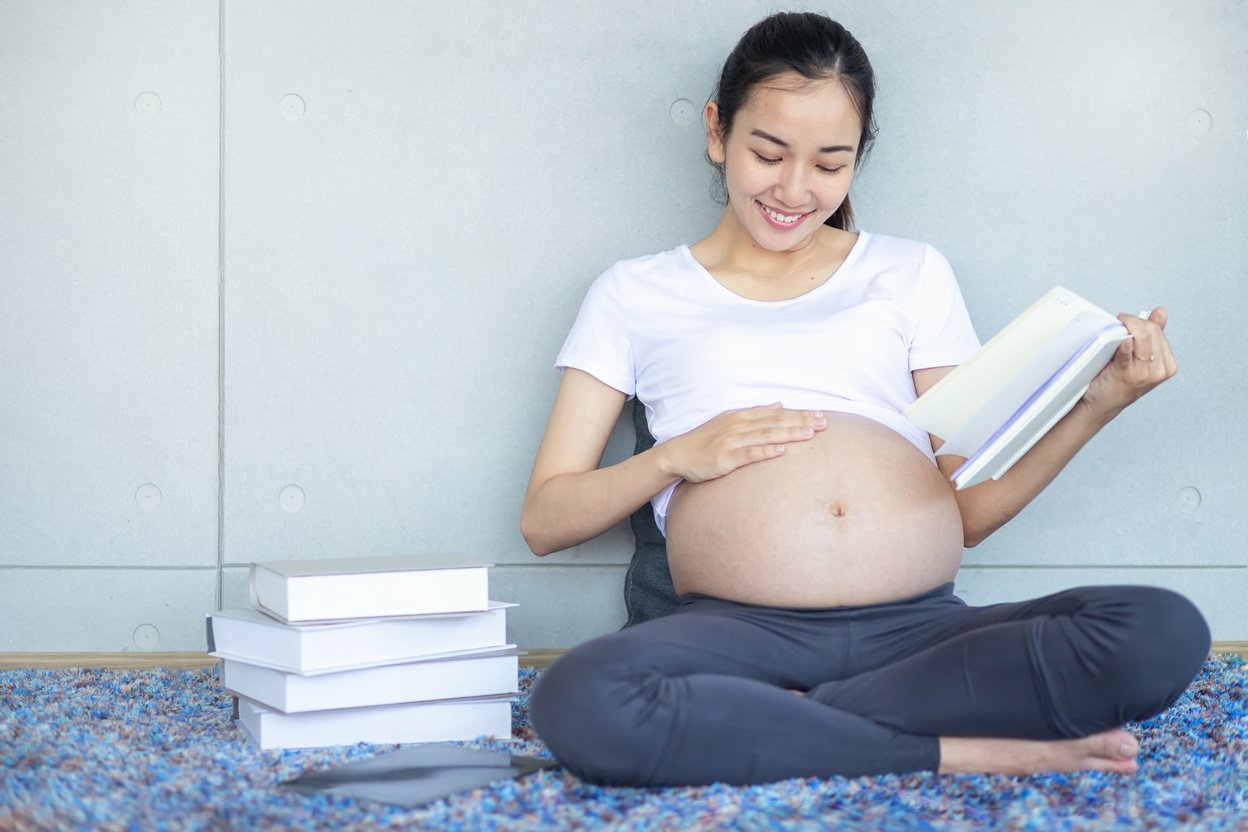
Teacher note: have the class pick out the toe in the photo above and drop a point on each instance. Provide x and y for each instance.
(1127, 746)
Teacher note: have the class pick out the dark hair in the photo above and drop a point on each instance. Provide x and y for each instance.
(816, 48)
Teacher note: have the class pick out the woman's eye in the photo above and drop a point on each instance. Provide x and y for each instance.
(832, 170)
(765, 160)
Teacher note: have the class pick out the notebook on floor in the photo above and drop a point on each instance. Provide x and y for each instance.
(416, 776)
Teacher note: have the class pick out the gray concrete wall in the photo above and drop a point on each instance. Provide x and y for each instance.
(284, 279)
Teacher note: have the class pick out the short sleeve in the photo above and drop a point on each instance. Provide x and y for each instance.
(943, 333)
(598, 342)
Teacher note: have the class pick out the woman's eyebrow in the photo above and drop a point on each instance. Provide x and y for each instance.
(836, 148)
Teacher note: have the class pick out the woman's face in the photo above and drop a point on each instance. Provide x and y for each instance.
(789, 159)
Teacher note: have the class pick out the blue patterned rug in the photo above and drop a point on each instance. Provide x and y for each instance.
(101, 749)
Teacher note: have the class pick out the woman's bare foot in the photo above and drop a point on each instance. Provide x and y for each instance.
(1112, 750)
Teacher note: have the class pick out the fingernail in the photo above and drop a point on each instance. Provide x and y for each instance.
(808, 432)
(1125, 750)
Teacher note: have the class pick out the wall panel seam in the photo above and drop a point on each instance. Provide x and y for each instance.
(17, 567)
(1104, 566)
(619, 565)
(220, 303)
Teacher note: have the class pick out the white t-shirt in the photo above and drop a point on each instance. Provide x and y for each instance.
(663, 329)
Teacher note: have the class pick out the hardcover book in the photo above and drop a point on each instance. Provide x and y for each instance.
(444, 721)
(994, 407)
(301, 591)
(248, 635)
(489, 674)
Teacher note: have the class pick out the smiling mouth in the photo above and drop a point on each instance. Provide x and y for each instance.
(780, 219)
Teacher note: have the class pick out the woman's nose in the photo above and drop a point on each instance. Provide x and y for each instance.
(793, 190)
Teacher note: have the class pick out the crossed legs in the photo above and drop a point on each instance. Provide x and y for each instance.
(929, 684)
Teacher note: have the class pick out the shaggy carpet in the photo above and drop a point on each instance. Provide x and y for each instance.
(100, 749)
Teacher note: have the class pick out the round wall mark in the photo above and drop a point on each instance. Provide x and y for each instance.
(148, 496)
(683, 112)
(146, 637)
(1199, 122)
(291, 499)
(292, 107)
(147, 105)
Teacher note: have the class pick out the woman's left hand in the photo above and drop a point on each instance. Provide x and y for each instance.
(1142, 361)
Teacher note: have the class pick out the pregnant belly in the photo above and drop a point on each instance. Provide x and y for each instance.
(856, 515)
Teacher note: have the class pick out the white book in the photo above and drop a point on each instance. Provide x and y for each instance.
(462, 719)
(994, 407)
(478, 675)
(304, 591)
(249, 635)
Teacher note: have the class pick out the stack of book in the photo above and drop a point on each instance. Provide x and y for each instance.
(377, 650)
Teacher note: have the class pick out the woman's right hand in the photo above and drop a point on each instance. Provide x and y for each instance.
(737, 438)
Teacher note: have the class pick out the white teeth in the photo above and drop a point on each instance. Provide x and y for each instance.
(781, 217)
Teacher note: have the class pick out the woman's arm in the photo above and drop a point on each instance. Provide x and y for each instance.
(1141, 363)
(570, 499)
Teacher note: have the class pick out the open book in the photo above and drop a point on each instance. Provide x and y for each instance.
(996, 405)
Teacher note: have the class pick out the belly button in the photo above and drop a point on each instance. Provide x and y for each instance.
(836, 510)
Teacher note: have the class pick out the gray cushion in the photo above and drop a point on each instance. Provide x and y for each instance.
(648, 590)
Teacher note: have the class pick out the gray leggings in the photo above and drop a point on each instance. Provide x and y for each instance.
(704, 695)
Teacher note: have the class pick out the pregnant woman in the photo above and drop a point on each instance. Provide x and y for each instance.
(812, 534)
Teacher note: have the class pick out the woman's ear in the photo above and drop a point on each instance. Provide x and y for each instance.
(714, 136)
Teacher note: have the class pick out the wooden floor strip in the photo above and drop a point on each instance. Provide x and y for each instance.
(147, 661)
(538, 657)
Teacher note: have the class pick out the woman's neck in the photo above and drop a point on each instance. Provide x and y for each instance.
(729, 247)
